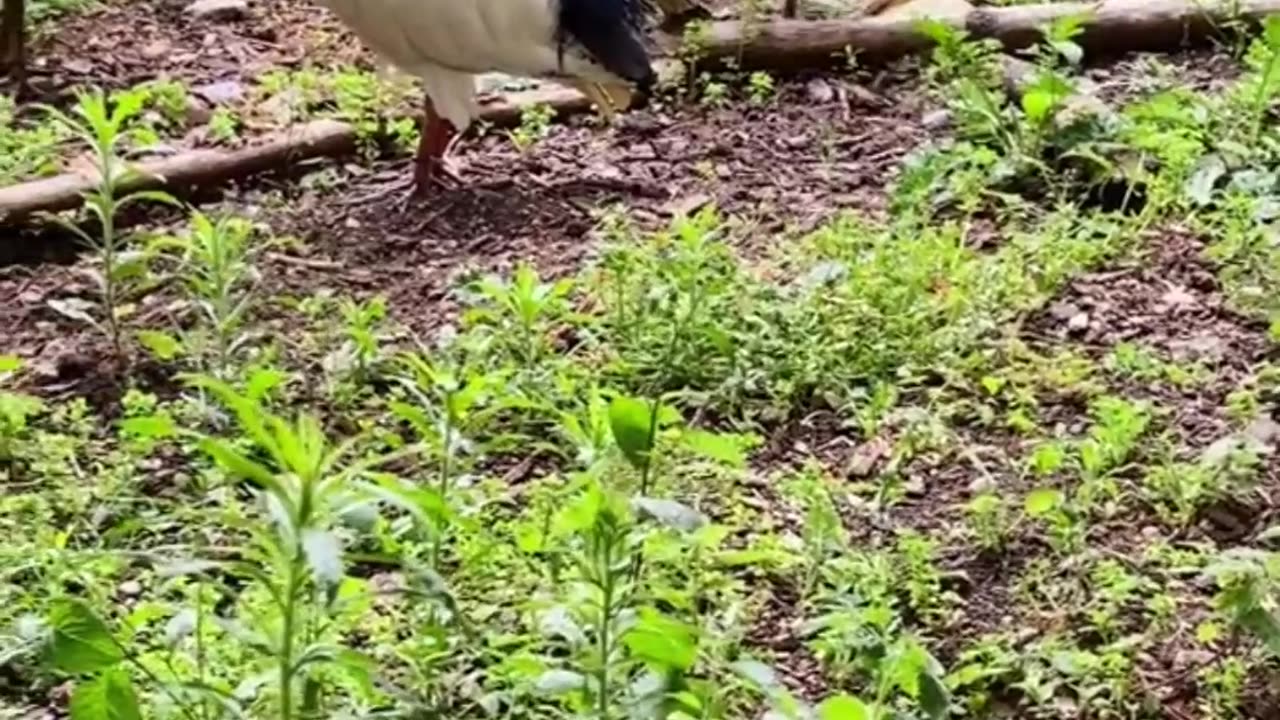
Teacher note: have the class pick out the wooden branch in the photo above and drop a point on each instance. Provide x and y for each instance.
(206, 168)
(1116, 26)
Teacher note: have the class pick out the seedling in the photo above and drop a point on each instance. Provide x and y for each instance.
(120, 271)
(535, 125)
(16, 410)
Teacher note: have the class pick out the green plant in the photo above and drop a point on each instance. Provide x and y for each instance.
(760, 88)
(307, 488)
(16, 410)
(224, 125)
(714, 92)
(615, 637)
(990, 520)
(120, 270)
(535, 125)
(217, 267)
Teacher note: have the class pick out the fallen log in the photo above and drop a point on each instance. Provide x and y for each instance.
(1114, 26)
(207, 168)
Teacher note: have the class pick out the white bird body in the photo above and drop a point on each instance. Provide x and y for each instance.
(446, 43)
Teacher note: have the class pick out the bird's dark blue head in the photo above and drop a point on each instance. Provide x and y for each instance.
(612, 33)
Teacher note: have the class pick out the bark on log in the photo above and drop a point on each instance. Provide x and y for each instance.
(13, 42)
(207, 168)
(1116, 25)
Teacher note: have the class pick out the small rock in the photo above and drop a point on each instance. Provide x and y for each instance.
(819, 91)
(1263, 430)
(1178, 297)
(862, 96)
(936, 120)
(1063, 311)
(157, 49)
(914, 487)
(981, 485)
(198, 111)
(1078, 322)
(795, 142)
(130, 589)
(77, 66)
(220, 93)
(643, 151)
(219, 10)
(688, 205)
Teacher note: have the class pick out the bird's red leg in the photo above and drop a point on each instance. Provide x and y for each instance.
(436, 134)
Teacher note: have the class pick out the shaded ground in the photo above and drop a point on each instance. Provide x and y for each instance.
(813, 151)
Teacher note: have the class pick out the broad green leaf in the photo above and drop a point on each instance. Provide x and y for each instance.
(843, 707)
(1209, 170)
(757, 673)
(662, 643)
(1037, 104)
(179, 626)
(559, 682)
(631, 421)
(152, 426)
(242, 467)
(1043, 501)
(934, 697)
(1271, 32)
(110, 696)
(670, 513)
(79, 641)
(10, 363)
(163, 345)
(324, 555)
(722, 448)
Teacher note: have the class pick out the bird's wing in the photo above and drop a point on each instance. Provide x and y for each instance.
(474, 36)
(517, 37)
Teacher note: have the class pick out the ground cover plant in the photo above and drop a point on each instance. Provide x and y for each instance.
(868, 394)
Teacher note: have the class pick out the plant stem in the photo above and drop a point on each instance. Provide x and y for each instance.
(606, 619)
(289, 611)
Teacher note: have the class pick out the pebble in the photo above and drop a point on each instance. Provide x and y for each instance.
(819, 91)
(220, 93)
(936, 120)
(219, 10)
(130, 589)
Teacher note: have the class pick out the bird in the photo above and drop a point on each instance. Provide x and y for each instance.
(595, 46)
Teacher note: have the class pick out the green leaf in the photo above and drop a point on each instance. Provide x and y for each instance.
(163, 345)
(670, 513)
(1271, 32)
(934, 697)
(10, 363)
(110, 696)
(662, 643)
(79, 641)
(843, 707)
(151, 426)
(715, 446)
(1043, 501)
(242, 467)
(631, 421)
(1037, 104)
(757, 673)
(324, 555)
(1208, 171)
(559, 682)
